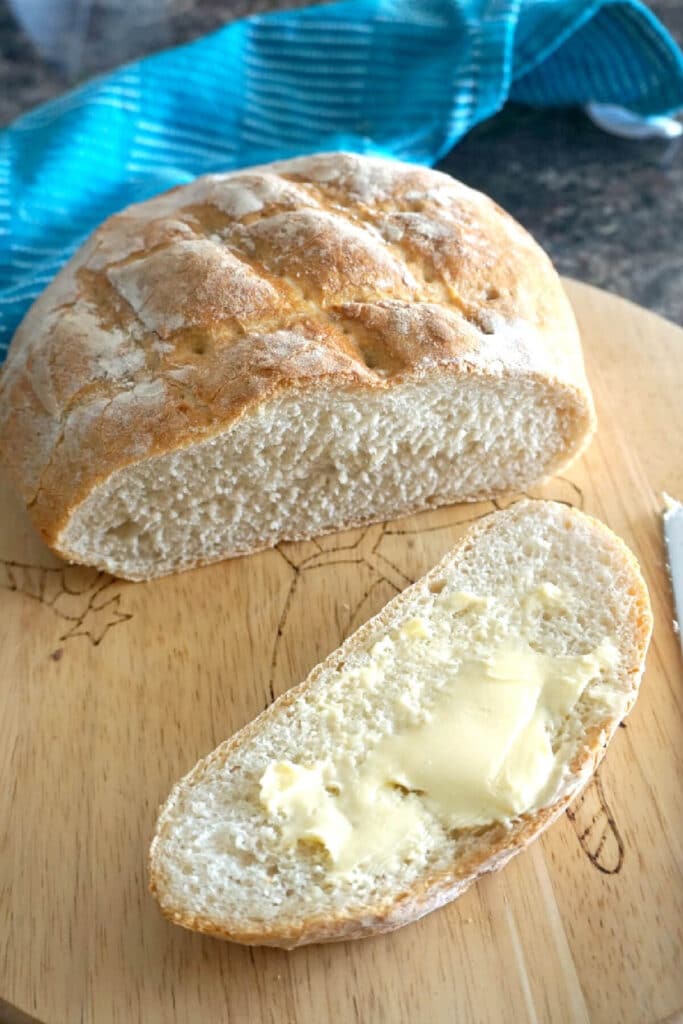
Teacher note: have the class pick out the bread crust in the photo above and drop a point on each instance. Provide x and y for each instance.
(433, 890)
(186, 312)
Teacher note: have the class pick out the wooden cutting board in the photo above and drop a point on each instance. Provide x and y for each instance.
(111, 691)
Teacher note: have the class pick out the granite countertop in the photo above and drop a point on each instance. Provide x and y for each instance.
(608, 211)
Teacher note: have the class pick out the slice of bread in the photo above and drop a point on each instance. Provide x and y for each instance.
(541, 587)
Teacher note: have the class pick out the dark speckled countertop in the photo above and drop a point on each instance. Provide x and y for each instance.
(608, 211)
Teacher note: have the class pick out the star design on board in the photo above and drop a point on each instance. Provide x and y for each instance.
(98, 620)
(79, 594)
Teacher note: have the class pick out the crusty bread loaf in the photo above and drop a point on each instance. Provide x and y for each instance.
(551, 579)
(282, 352)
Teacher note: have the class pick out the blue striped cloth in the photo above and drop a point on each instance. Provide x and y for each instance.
(405, 78)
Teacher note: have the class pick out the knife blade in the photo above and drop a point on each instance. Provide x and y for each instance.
(673, 536)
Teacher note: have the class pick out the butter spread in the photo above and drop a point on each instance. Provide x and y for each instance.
(482, 752)
(361, 816)
(458, 601)
(549, 594)
(311, 814)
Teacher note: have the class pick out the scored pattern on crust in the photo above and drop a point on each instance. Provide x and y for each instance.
(205, 278)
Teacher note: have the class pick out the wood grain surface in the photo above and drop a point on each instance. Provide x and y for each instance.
(112, 690)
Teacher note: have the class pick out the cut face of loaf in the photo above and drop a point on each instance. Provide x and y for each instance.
(309, 463)
(432, 746)
(284, 351)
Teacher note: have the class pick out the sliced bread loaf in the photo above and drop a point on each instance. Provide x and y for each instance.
(432, 746)
(285, 351)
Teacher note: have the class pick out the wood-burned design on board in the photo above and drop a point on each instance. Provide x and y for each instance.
(79, 595)
(596, 828)
(375, 563)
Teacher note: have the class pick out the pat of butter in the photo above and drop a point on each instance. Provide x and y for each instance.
(484, 754)
(459, 601)
(550, 594)
(310, 812)
(415, 629)
(368, 820)
(545, 595)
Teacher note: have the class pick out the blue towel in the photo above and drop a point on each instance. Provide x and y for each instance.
(404, 78)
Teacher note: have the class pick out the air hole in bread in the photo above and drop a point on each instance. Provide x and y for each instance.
(369, 358)
(475, 832)
(125, 530)
(405, 790)
(492, 293)
(436, 586)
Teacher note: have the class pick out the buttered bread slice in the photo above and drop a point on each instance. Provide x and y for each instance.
(432, 746)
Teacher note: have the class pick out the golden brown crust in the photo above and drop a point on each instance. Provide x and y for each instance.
(182, 313)
(500, 845)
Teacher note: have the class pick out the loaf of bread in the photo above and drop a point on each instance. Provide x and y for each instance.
(283, 352)
(432, 746)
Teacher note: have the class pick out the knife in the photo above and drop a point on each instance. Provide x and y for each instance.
(673, 536)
